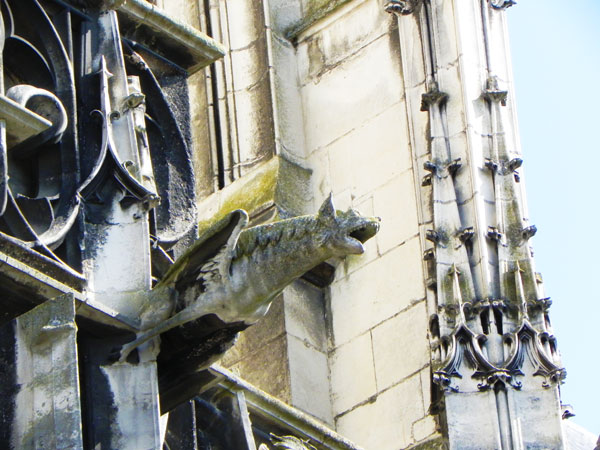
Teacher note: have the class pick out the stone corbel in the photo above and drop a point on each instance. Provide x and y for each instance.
(502, 4)
(432, 97)
(402, 7)
(492, 91)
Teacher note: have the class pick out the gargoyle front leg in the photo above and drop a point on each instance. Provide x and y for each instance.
(177, 320)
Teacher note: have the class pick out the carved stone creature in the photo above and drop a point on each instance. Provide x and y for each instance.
(288, 442)
(238, 280)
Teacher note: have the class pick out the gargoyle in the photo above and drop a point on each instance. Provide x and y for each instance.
(238, 280)
(289, 443)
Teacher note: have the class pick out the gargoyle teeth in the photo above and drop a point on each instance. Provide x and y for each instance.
(364, 232)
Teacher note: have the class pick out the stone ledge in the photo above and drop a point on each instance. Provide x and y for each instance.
(281, 414)
(153, 28)
(317, 12)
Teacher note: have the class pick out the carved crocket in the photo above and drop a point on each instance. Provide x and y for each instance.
(238, 280)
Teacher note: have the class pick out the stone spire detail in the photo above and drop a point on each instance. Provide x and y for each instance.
(493, 353)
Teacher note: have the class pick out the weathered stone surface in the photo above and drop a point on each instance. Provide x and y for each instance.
(271, 327)
(392, 414)
(250, 63)
(372, 154)
(396, 204)
(352, 373)
(368, 22)
(309, 377)
(135, 399)
(284, 14)
(327, 100)
(44, 401)
(400, 346)
(268, 369)
(424, 428)
(204, 165)
(305, 314)
(290, 122)
(245, 22)
(377, 291)
(255, 134)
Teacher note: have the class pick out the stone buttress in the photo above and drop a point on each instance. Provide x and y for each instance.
(493, 353)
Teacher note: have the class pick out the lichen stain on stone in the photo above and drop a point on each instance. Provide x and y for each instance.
(315, 10)
(433, 444)
(275, 182)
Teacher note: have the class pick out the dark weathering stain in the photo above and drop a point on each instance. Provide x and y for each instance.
(8, 375)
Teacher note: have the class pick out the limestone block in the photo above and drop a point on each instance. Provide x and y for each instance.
(256, 135)
(371, 154)
(400, 346)
(396, 204)
(474, 428)
(134, 390)
(290, 125)
(185, 11)
(268, 369)
(333, 106)
(423, 428)
(245, 22)
(305, 314)
(426, 388)
(200, 126)
(344, 199)
(250, 64)
(321, 179)
(256, 337)
(352, 373)
(284, 14)
(309, 376)
(377, 291)
(386, 423)
(367, 20)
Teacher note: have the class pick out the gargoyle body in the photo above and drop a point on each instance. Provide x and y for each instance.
(238, 280)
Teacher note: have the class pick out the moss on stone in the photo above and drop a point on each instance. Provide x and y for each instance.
(435, 443)
(276, 182)
(315, 11)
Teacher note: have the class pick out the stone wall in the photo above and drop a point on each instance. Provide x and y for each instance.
(354, 354)
(357, 144)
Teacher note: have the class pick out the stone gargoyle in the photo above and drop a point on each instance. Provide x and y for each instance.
(238, 280)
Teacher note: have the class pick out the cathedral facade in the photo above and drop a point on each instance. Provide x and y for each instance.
(164, 162)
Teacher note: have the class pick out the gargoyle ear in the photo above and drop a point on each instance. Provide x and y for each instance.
(327, 210)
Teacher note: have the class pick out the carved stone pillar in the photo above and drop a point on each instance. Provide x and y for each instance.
(493, 353)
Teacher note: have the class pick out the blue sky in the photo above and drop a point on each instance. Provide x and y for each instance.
(555, 48)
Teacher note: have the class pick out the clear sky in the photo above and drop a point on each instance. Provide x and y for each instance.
(555, 48)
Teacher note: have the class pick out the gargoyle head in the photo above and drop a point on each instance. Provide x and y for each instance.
(291, 443)
(345, 232)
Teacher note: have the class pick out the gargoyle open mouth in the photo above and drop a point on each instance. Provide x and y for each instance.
(365, 232)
